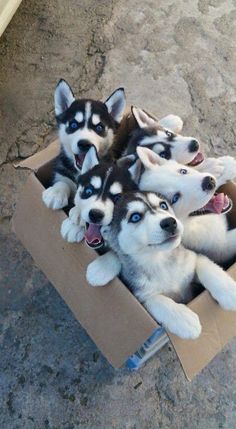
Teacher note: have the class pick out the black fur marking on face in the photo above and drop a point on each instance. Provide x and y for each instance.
(109, 173)
(140, 134)
(171, 136)
(101, 133)
(97, 107)
(136, 138)
(166, 153)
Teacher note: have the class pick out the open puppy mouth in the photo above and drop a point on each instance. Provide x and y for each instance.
(93, 236)
(79, 159)
(198, 159)
(218, 204)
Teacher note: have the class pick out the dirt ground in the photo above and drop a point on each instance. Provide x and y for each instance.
(172, 57)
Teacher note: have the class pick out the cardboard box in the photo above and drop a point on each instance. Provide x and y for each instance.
(7, 10)
(111, 315)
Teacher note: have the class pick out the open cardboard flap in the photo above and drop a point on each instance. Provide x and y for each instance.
(40, 158)
(111, 315)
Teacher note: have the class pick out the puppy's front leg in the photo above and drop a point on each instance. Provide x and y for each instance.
(221, 286)
(176, 318)
(57, 196)
(223, 168)
(103, 269)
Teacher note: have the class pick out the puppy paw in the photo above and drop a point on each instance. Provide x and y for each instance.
(55, 198)
(213, 166)
(100, 273)
(71, 232)
(74, 215)
(186, 323)
(227, 297)
(229, 172)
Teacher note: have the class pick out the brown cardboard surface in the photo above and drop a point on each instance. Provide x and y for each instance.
(218, 327)
(111, 315)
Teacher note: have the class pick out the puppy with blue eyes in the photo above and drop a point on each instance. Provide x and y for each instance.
(82, 123)
(100, 185)
(146, 237)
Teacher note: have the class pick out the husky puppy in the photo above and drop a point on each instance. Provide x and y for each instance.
(163, 138)
(100, 185)
(145, 234)
(193, 193)
(82, 123)
(190, 192)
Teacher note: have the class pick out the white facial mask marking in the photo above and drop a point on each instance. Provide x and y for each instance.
(116, 188)
(87, 111)
(79, 117)
(96, 182)
(95, 119)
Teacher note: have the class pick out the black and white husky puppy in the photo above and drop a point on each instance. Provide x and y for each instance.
(164, 138)
(100, 185)
(146, 235)
(81, 123)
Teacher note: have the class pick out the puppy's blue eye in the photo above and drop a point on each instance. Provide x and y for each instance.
(135, 217)
(99, 127)
(175, 198)
(162, 154)
(183, 171)
(88, 191)
(163, 205)
(116, 197)
(73, 125)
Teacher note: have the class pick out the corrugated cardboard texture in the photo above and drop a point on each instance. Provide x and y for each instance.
(111, 315)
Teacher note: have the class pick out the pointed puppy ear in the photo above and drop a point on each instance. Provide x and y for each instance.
(133, 164)
(148, 158)
(172, 122)
(142, 118)
(90, 160)
(63, 97)
(116, 104)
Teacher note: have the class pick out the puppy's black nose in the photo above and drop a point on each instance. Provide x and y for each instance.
(96, 216)
(208, 183)
(84, 145)
(193, 146)
(169, 224)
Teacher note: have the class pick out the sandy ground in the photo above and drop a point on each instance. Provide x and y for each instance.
(172, 57)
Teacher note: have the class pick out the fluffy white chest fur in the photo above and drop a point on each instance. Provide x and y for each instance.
(169, 273)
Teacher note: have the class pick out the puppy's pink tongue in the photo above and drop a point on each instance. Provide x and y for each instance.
(79, 159)
(217, 203)
(198, 158)
(93, 234)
